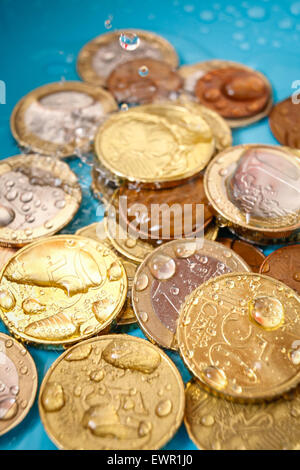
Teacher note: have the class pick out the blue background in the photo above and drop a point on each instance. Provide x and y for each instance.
(40, 41)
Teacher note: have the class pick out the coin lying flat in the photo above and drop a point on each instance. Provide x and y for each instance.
(61, 289)
(216, 424)
(60, 118)
(169, 275)
(253, 256)
(284, 265)
(18, 383)
(38, 197)
(5, 255)
(284, 122)
(255, 190)
(165, 146)
(239, 335)
(97, 232)
(102, 55)
(126, 392)
(143, 81)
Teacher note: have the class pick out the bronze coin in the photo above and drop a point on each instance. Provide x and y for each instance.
(252, 255)
(143, 81)
(177, 207)
(285, 123)
(284, 265)
(233, 92)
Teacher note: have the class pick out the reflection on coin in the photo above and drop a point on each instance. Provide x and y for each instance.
(97, 232)
(284, 265)
(143, 81)
(102, 55)
(38, 197)
(5, 255)
(166, 145)
(216, 424)
(128, 395)
(18, 383)
(104, 183)
(238, 335)
(255, 189)
(211, 232)
(62, 289)
(169, 275)
(285, 123)
(252, 255)
(60, 118)
(206, 81)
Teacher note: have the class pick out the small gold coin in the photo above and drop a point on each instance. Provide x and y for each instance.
(99, 57)
(39, 196)
(165, 144)
(126, 392)
(216, 424)
(238, 335)
(60, 118)
(18, 383)
(62, 289)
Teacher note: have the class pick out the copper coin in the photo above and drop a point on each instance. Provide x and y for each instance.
(233, 92)
(178, 207)
(285, 123)
(143, 81)
(169, 274)
(284, 265)
(18, 383)
(252, 255)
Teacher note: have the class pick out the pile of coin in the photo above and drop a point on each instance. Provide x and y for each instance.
(161, 139)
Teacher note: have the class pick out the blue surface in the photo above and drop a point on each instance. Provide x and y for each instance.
(39, 44)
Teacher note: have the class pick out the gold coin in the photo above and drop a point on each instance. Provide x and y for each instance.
(99, 57)
(5, 255)
(168, 275)
(238, 335)
(126, 392)
(216, 424)
(61, 289)
(18, 383)
(255, 191)
(60, 118)
(165, 145)
(97, 232)
(38, 197)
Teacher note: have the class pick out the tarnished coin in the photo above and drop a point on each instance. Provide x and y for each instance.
(255, 190)
(284, 265)
(284, 122)
(38, 197)
(97, 232)
(169, 275)
(18, 383)
(240, 94)
(165, 146)
(253, 256)
(143, 81)
(239, 335)
(62, 289)
(60, 118)
(102, 55)
(216, 424)
(126, 392)
(5, 255)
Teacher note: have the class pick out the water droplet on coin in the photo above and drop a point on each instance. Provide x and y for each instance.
(162, 267)
(184, 250)
(124, 107)
(114, 272)
(7, 300)
(53, 397)
(215, 377)
(96, 375)
(7, 215)
(144, 316)
(207, 420)
(129, 41)
(163, 408)
(143, 71)
(142, 282)
(26, 197)
(267, 312)
(296, 276)
(9, 343)
(130, 242)
(12, 195)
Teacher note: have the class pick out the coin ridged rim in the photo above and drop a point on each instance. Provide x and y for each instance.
(167, 437)
(85, 67)
(27, 139)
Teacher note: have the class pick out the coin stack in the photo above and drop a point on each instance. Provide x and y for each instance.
(198, 285)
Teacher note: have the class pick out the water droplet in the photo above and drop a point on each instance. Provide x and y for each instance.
(144, 316)
(130, 242)
(96, 375)
(48, 225)
(223, 172)
(60, 204)
(174, 290)
(142, 282)
(124, 107)
(26, 197)
(207, 420)
(184, 249)
(296, 276)
(53, 397)
(14, 390)
(162, 267)
(215, 377)
(114, 272)
(12, 195)
(129, 41)
(31, 306)
(23, 404)
(77, 391)
(265, 268)
(108, 24)
(143, 71)
(7, 215)
(7, 300)
(144, 428)
(9, 343)
(164, 408)
(267, 312)
(294, 356)
(24, 370)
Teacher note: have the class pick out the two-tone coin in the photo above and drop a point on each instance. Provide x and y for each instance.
(284, 122)
(284, 265)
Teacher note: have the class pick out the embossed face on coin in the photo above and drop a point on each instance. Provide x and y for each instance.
(60, 117)
(62, 289)
(285, 123)
(38, 197)
(168, 275)
(18, 383)
(239, 335)
(284, 265)
(128, 393)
